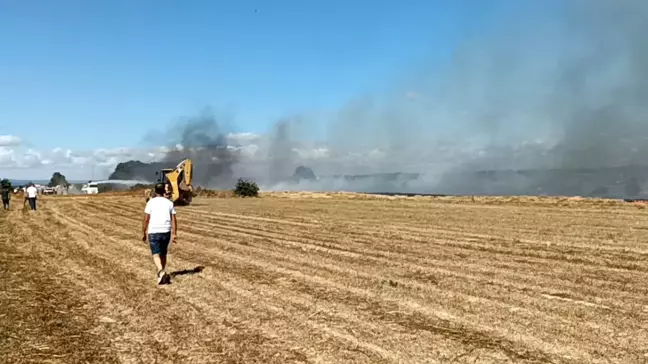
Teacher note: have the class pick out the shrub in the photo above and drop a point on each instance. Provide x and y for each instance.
(58, 180)
(245, 188)
(5, 183)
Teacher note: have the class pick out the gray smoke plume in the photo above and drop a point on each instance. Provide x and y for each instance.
(550, 99)
(202, 140)
(580, 83)
(280, 152)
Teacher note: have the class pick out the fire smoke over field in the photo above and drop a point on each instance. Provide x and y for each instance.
(554, 87)
(202, 141)
(548, 91)
(578, 83)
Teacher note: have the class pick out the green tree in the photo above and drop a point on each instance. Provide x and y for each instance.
(58, 180)
(5, 183)
(246, 188)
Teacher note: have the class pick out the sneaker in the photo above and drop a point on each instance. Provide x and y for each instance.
(160, 277)
(164, 277)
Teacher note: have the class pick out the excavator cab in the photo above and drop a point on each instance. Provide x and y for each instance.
(161, 175)
(177, 182)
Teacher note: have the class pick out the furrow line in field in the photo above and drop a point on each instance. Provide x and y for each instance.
(138, 328)
(489, 267)
(349, 310)
(271, 310)
(406, 207)
(447, 229)
(614, 258)
(300, 264)
(529, 280)
(455, 216)
(339, 293)
(248, 268)
(220, 326)
(573, 314)
(361, 230)
(469, 284)
(63, 251)
(301, 269)
(40, 322)
(541, 258)
(503, 227)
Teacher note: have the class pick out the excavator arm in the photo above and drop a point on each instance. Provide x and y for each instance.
(187, 171)
(180, 180)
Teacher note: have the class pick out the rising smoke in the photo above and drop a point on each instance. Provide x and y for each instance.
(579, 83)
(202, 140)
(551, 98)
(280, 153)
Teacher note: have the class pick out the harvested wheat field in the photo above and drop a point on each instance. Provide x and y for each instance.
(327, 278)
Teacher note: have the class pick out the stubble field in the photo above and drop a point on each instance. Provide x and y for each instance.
(327, 278)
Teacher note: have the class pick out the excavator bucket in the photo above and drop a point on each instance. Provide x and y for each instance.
(185, 188)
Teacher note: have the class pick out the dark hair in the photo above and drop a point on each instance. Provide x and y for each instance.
(159, 189)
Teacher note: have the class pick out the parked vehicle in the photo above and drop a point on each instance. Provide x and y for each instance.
(90, 188)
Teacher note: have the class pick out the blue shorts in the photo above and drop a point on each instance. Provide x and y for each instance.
(159, 243)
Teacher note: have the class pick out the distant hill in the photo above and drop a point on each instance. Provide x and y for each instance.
(136, 170)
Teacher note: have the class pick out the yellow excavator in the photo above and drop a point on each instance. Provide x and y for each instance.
(177, 182)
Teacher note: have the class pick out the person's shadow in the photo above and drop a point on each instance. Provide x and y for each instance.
(187, 272)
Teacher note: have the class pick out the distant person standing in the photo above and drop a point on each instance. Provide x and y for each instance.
(32, 193)
(6, 196)
(160, 228)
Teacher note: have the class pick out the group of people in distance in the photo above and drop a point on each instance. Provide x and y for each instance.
(31, 194)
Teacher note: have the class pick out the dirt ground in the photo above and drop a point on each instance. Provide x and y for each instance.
(327, 278)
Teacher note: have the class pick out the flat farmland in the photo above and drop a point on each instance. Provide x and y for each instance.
(327, 278)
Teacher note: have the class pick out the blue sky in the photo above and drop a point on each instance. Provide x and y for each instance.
(101, 74)
(83, 83)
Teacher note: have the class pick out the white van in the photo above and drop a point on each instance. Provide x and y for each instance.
(90, 188)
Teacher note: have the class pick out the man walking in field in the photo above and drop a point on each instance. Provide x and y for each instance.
(160, 228)
(31, 193)
(6, 196)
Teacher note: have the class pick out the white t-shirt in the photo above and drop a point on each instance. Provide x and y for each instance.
(160, 209)
(32, 192)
